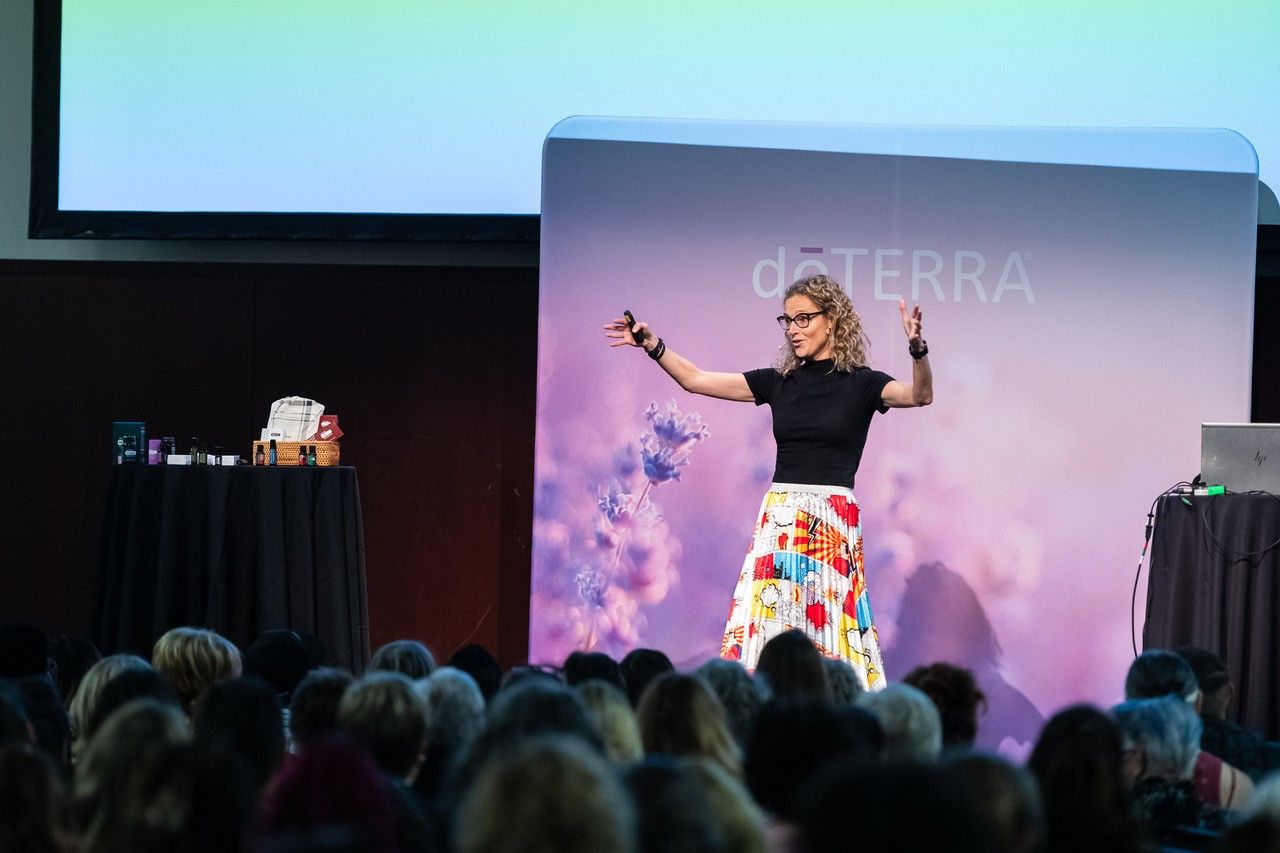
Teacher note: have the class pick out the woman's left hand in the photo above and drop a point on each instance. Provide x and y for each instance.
(911, 323)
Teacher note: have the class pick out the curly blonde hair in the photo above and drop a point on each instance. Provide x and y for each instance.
(849, 342)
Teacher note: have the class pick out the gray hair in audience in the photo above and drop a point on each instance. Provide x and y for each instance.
(1158, 672)
(454, 707)
(1167, 730)
(738, 692)
(410, 658)
(550, 793)
(846, 686)
(910, 721)
(85, 700)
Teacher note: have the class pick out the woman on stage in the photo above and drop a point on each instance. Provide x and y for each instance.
(804, 569)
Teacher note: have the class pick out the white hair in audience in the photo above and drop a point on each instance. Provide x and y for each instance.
(912, 727)
(454, 706)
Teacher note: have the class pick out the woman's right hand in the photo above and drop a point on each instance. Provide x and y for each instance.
(625, 336)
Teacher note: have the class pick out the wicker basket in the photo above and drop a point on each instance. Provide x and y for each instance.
(287, 452)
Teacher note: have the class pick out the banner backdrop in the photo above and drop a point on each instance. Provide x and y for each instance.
(1088, 302)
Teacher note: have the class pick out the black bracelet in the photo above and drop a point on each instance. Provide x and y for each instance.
(658, 351)
(918, 354)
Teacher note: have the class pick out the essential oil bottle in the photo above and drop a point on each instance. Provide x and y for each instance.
(260, 455)
(311, 456)
(302, 454)
(272, 458)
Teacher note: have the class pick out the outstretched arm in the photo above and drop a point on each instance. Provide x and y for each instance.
(919, 391)
(690, 377)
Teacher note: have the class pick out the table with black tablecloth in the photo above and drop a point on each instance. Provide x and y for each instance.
(239, 550)
(1215, 583)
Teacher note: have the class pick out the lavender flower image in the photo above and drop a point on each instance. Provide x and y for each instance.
(665, 448)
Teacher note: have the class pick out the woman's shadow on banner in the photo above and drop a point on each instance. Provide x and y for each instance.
(941, 619)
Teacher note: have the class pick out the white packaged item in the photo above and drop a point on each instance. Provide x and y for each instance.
(296, 418)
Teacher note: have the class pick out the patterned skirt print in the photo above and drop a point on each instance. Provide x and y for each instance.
(805, 571)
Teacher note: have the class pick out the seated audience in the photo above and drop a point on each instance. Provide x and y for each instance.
(194, 658)
(742, 821)
(957, 698)
(1164, 737)
(679, 716)
(547, 795)
(673, 809)
(477, 662)
(737, 692)
(1232, 742)
(846, 684)
(1004, 795)
(410, 658)
(129, 685)
(313, 710)
(790, 667)
(82, 703)
(280, 658)
(32, 803)
(580, 666)
(454, 712)
(72, 657)
(910, 721)
(242, 716)
(15, 728)
(615, 719)
(48, 718)
(1078, 762)
(1156, 673)
(641, 666)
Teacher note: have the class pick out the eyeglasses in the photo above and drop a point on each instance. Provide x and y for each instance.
(801, 320)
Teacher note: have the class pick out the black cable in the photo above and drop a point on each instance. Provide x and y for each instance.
(1146, 541)
(1227, 549)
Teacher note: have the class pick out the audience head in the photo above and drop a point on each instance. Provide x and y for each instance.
(1166, 733)
(741, 820)
(242, 716)
(84, 701)
(1158, 673)
(15, 728)
(24, 649)
(673, 810)
(477, 662)
(194, 658)
(792, 741)
(383, 712)
(332, 786)
(738, 694)
(454, 712)
(1216, 689)
(846, 685)
(1078, 763)
(114, 752)
(48, 717)
(72, 657)
(129, 685)
(580, 666)
(279, 658)
(410, 658)
(641, 666)
(955, 693)
(790, 667)
(679, 715)
(615, 719)
(910, 721)
(313, 710)
(1005, 795)
(32, 803)
(548, 795)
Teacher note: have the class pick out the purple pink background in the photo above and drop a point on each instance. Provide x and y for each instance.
(1003, 523)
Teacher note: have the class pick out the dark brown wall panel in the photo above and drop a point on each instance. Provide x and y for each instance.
(430, 370)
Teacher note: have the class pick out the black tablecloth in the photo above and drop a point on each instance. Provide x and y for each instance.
(1214, 584)
(239, 550)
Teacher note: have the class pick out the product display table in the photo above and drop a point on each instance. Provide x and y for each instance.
(239, 550)
(1215, 583)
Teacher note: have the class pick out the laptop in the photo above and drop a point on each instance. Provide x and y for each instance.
(1241, 457)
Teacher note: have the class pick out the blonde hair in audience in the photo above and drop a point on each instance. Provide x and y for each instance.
(194, 658)
(85, 700)
(611, 712)
(737, 814)
(550, 795)
(680, 715)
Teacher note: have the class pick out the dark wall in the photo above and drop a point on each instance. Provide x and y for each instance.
(431, 371)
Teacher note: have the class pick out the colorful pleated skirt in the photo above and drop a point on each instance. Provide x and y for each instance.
(804, 571)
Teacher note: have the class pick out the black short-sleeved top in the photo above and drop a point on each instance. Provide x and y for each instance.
(820, 419)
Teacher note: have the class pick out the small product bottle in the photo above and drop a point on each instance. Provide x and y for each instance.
(311, 456)
(217, 454)
(195, 451)
(168, 447)
(260, 455)
(302, 455)
(271, 453)
(128, 450)
(204, 455)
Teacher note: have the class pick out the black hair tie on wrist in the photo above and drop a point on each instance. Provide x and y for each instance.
(658, 351)
(918, 354)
